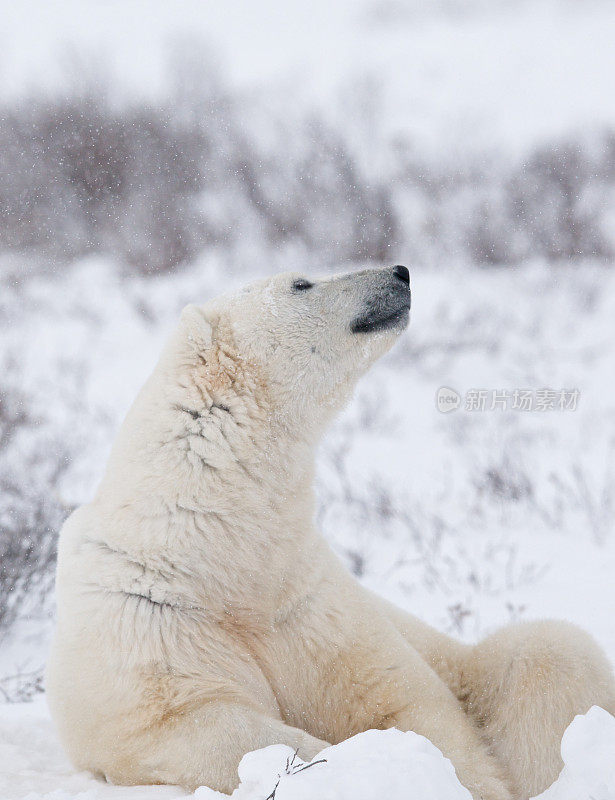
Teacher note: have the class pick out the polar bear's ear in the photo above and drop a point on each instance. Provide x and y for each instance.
(197, 325)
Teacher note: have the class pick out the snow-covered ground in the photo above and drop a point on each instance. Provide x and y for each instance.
(388, 764)
(471, 518)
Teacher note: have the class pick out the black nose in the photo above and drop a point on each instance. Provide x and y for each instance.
(402, 273)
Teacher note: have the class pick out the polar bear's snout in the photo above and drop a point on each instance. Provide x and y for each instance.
(388, 304)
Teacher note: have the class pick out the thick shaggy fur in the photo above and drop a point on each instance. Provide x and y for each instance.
(201, 615)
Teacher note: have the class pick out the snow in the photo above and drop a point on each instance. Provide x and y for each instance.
(388, 764)
(469, 519)
(383, 762)
(587, 750)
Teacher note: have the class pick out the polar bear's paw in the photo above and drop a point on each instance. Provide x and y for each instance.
(491, 784)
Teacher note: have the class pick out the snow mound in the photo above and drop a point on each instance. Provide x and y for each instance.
(405, 766)
(388, 764)
(588, 751)
(376, 764)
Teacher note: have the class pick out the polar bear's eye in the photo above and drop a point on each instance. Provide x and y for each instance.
(301, 284)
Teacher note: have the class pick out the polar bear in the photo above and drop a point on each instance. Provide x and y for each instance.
(201, 615)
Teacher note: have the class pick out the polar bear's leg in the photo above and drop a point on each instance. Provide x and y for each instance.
(525, 684)
(203, 747)
(444, 654)
(427, 706)
(425, 687)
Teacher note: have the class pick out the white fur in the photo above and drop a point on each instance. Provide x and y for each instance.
(201, 615)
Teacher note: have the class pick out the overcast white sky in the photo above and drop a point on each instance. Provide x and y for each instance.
(515, 76)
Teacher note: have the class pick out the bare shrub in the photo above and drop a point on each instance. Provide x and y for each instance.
(86, 176)
(557, 204)
(153, 185)
(548, 198)
(22, 686)
(505, 481)
(30, 514)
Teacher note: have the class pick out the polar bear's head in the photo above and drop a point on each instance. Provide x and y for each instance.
(311, 339)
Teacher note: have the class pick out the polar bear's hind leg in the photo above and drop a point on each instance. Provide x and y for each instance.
(525, 684)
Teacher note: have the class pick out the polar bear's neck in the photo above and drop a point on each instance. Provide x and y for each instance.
(204, 466)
